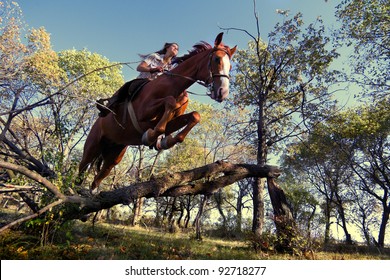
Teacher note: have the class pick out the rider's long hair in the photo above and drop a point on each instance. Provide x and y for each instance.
(162, 51)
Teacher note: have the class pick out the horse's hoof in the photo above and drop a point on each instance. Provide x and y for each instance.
(93, 191)
(159, 142)
(165, 142)
(146, 138)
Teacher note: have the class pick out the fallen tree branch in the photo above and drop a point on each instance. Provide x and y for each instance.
(203, 180)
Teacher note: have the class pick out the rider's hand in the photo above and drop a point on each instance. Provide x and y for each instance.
(156, 69)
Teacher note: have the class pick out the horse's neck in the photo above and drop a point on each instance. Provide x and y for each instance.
(192, 70)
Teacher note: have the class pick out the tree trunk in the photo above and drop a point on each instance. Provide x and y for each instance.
(220, 174)
(198, 219)
(172, 210)
(341, 211)
(188, 212)
(139, 202)
(258, 183)
(327, 222)
(218, 199)
(258, 207)
(239, 207)
(382, 228)
(283, 218)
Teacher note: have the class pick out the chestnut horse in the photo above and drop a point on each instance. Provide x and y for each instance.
(158, 109)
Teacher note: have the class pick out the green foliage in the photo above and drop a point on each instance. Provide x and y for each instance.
(365, 26)
(50, 227)
(345, 156)
(99, 77)
(285, 81)
(42, 64)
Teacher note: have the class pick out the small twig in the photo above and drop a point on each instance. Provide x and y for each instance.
(7, 188)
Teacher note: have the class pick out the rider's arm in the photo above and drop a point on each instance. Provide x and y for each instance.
(144, 67)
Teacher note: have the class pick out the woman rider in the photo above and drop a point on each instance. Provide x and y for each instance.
(151, 67)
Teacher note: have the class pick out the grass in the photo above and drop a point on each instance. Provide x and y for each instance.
(120, 242)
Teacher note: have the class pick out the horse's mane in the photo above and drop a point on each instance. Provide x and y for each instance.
(197, 48)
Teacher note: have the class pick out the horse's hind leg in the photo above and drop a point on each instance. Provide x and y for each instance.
(92, 150)
(112, 155)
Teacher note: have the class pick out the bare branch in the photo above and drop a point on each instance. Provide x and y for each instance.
(8, 188)
(34, 176)
(238, 29)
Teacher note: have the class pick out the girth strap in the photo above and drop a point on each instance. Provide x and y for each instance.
(134, 118)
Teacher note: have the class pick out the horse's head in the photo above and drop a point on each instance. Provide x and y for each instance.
(220, 67)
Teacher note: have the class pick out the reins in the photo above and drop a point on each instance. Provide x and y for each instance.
(202, 83)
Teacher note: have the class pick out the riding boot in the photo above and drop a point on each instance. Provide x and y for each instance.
(106, 105)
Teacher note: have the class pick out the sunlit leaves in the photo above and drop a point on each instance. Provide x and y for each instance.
(100, 80)
(41, 65)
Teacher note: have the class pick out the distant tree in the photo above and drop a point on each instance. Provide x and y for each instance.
(325, 166)
(284, 81)
(365, 209)
(365, 27)
(347, 160)
(303, 202)
(368, 133)
(215, 139)
(46, 98)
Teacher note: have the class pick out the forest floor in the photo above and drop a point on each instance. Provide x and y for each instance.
(108, 241)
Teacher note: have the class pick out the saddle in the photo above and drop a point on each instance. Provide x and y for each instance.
(128, 91)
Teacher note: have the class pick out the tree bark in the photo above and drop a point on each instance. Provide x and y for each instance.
(258, 207)
(283, 218)
(382, 229)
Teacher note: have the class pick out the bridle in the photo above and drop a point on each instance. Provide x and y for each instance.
(213, 75)
(209, 83)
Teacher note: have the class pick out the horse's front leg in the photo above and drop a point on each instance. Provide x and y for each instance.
(188, 121)
(172, 108)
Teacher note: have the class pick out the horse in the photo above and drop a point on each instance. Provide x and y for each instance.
(157, 110)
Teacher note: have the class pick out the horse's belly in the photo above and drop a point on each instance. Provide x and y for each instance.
(119, 133)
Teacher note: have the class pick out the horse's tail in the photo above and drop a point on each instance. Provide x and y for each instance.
(96, 162)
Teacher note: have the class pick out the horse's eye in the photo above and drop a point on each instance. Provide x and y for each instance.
(217, 59)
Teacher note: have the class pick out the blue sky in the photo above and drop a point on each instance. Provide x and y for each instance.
(121, 29)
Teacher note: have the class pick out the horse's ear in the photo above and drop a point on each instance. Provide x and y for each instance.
(233, 50)
(218, 39)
